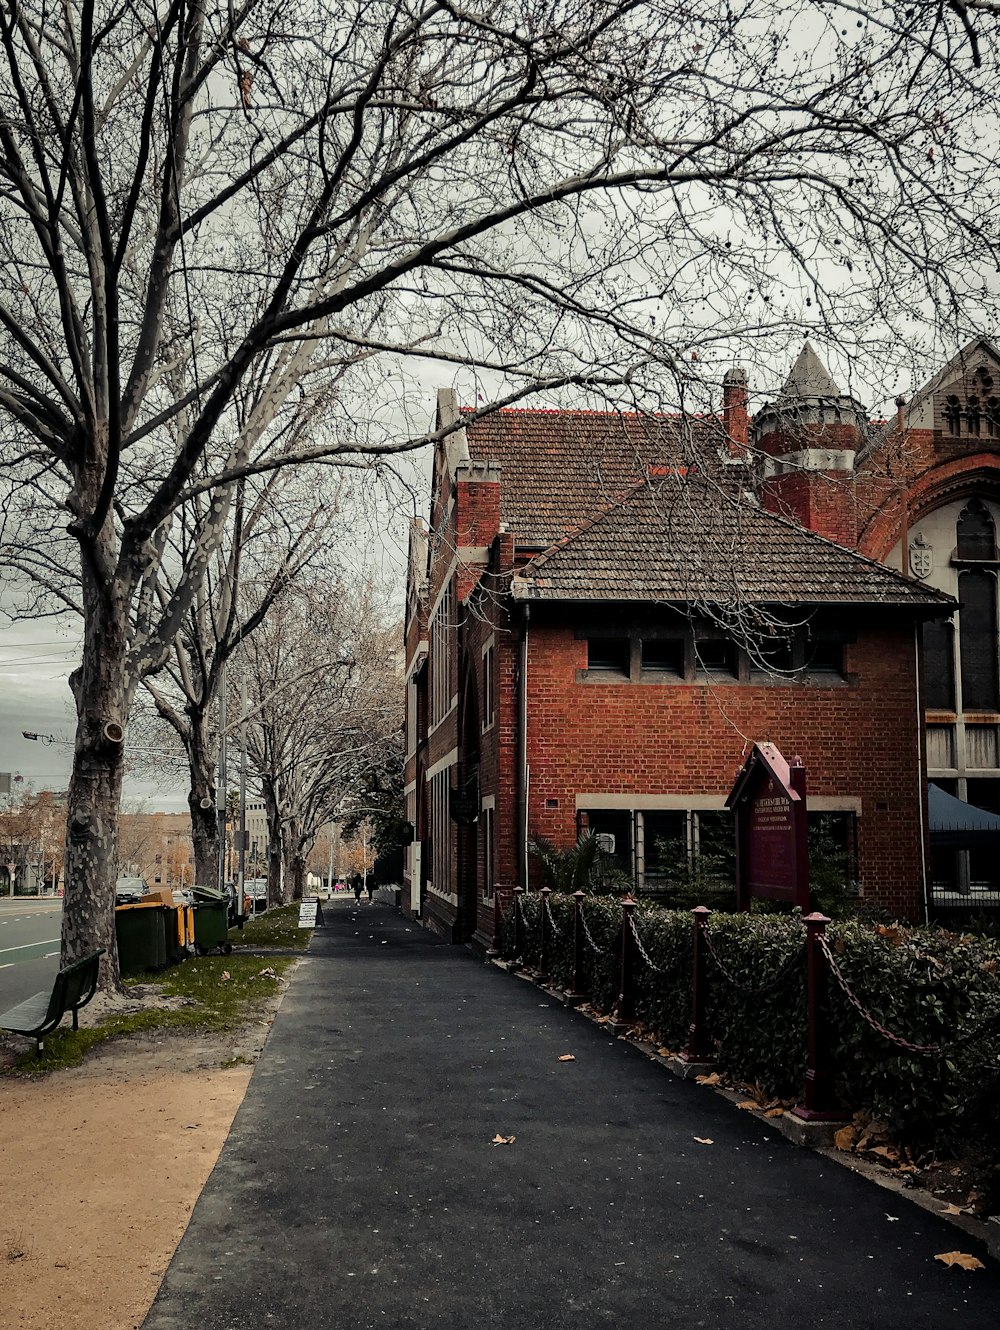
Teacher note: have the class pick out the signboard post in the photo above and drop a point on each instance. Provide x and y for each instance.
(768, 800)
(307, 913)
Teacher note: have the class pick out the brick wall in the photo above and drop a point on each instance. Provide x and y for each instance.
(858, 740)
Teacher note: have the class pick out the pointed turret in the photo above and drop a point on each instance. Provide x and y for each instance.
(810, 436)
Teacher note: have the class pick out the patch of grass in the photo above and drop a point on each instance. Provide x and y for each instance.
(215, 1004)
(277, 927)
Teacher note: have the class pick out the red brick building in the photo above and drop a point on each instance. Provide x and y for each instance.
(605, 609)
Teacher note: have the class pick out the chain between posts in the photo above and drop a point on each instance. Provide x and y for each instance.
(658, 969)
(556, 930)
(761, 989)
(926, 1050)
(598, 951)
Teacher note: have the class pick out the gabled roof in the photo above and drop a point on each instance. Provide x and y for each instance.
(559, 469)
(980, 351)
(683, 539)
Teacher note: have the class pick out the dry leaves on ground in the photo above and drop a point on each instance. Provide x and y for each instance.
(567, 1057)
(704, 1140)
(713, 1078)
(960, 1258)
(503, 1140)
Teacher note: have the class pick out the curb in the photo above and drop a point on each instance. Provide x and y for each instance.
(816, 1136)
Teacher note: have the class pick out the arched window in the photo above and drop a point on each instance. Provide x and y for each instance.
(976, 534)
(939, 666)
(992, 417)
(977, 590)
(953, 414)
(974, 416)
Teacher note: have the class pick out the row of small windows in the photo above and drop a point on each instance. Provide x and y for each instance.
(979, 414)
(689, 658)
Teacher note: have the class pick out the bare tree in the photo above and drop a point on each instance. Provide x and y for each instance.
(276, 197)
(325, 702)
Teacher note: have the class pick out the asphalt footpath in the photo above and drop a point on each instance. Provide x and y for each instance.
(360, 1186)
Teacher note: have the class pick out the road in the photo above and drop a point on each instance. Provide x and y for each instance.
(29, 947)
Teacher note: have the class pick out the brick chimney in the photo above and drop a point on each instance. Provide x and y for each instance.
(735, 417)
(810, 437)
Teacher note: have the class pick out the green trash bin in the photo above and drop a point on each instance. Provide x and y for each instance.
(141, 938)
(211, 925)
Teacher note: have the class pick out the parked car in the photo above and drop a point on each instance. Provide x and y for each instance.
(129, 890)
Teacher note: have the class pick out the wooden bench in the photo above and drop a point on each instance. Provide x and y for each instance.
(73, 988)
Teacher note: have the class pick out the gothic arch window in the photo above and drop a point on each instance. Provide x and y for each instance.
(991, 417)
(939, 665)
(974, 417)
(976, 533)
(977, 590)
(953, 414)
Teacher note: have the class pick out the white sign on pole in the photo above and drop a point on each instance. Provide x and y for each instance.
(307, 914)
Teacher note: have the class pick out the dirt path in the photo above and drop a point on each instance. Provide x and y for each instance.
(101, 1166)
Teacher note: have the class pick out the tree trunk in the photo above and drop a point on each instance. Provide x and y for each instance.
(102, 693)
(295, 870)
(201, 802)
(273, 815)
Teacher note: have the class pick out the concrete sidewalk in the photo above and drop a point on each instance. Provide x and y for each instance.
(359, 1188)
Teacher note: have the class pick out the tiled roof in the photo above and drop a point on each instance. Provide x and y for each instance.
(559, 469)
(682, 539)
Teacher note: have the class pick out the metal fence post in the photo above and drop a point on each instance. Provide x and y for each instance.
(545, 943)
(518, 955)
(698, 1049)
(625, 1010)
(577, 991)
(819, 1102)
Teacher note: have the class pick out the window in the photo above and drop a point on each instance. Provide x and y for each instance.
(616, 824)
(953, 414)
(610, 654)
(939, 665)
(715, 657)
(486, 830)
(443, 632)
(489, 687)
(663, 655)
(825, 658)
(984, 868)
(976, 534)
(665, 849)
(441, 832)
(974, 416)
(978, 639)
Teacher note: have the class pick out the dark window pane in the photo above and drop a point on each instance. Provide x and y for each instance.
(978, 635)
(662, 655)
(665, 841)
(832, 843)
(616, 823)
(976, 532)
(608, 653)
(824, 658)
(715, 655)
(772, 655)
(939, 665)
(953, 415)
(716, 857)
(984, 865)
(944, 869)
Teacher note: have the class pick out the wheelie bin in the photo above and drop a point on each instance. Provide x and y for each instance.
(141, 937)
(211, 921)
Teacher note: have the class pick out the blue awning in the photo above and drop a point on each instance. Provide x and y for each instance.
(961, 826)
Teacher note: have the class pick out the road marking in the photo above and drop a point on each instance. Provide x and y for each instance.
(42, 942)
(47, 955)
(9, 966)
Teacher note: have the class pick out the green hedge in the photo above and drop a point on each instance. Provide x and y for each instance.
(927, 985)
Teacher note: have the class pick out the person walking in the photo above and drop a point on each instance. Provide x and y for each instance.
(370, 888)
(357, 887)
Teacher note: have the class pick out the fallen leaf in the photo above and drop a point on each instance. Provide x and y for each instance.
(845, 1138)
(953, 1210)
(567, 1057)
(704, 1140)
(893, 1219)
(887, 1152)
(503, 1140)
(748, 1103)
(961, 1258)
(774, 1112)
(226, 974)
(712, 1079)
(663, 1052)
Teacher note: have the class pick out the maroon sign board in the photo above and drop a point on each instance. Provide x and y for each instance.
(768, 800)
